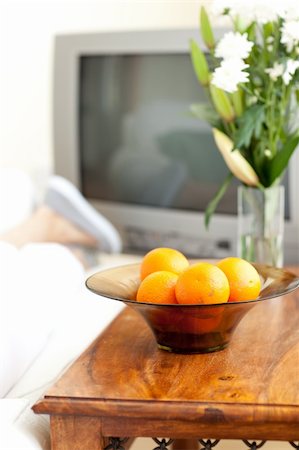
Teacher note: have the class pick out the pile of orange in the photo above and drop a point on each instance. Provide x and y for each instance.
(167, 277)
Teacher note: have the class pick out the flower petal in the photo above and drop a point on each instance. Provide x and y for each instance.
(237, 164)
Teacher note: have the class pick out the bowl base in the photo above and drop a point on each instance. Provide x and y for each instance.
(188, 351)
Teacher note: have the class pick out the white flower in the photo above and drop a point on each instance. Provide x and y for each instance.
(251, 100)
(286, 72)
(229, 74)
(275, 71)
(291, 10)
(233, 45)
(220, 6)
(290, 34)
(268, 153)
(289, 71)
(261, 11)
(235, 161)
(267, 10)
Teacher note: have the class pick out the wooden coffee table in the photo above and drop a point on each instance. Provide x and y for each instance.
(124, 386)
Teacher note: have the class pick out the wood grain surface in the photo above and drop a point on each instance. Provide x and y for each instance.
(249, 390)
(74, 432)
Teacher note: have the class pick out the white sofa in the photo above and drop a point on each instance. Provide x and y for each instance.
(44, 325)
(59, 331)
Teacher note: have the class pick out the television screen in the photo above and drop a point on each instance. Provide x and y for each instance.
(139, 143)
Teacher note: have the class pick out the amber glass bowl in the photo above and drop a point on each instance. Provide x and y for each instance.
(189, 328)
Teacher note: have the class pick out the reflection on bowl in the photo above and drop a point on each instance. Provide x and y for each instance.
(189, 328)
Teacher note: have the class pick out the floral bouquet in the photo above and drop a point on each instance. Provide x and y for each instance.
(251, 78)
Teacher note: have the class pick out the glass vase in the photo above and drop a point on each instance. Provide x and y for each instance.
(261, 224)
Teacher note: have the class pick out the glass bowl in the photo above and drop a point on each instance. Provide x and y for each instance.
(188, 328)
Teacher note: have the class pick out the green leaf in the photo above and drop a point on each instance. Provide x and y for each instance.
(199, 63)
(268, 29)
(206, 112)
(216, 199)
(206, 30)
(280, 161)
(237, 98)
(250, 30)
(222, 103)
(250, 124)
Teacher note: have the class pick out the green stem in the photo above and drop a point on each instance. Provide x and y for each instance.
(232, 127)
(285, 95)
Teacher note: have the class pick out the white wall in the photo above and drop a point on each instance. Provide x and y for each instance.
(26, 46)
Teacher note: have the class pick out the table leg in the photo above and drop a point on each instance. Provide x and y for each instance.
(76, 433)
(185, 444)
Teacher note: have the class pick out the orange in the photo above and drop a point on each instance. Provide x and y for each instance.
(167, 259)
(165, 319)
(205, 320)
(243, 278)
(202, 283)
(158, 287)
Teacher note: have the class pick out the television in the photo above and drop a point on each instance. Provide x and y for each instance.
(124, 135)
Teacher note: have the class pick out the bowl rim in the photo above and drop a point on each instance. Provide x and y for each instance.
(194, 305)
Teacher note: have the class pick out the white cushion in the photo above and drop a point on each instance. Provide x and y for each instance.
(20, 429)
(17, 197)
(89, 315)
(37, 285)
(79, 317)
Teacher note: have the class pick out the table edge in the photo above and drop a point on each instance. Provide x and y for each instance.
(172, 410)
